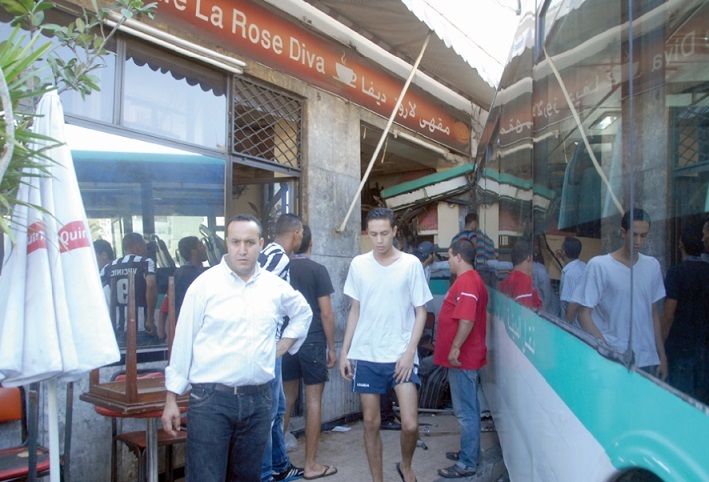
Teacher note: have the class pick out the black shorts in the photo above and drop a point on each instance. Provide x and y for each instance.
(310, 364)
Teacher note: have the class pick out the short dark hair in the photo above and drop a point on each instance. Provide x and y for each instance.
(572, 247)
(381, 213)
(244, 218)
(101, 246)
(470, 217)
(130, 240)
(691, 238)
(288, 223)
(307, 237)
(520, 252)
(465, 249)
(638, 215)
(186, 245)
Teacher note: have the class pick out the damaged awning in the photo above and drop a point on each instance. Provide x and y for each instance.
(427, 189)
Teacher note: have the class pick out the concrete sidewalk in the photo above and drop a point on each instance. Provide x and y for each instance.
(345, 450)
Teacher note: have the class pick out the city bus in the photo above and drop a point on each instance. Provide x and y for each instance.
(603, 106)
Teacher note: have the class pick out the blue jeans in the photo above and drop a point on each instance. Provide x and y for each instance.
(275, 457)
(463, 385)
(225, 430)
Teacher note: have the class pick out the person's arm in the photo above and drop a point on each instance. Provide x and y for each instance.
(465, 327)
(171, 415)
(659, 343)
(177, 371)
(352, 319)
(668, 317)
(327, 315)
(297, 309)
(191, 319)
(151, 299)
(587, 323)
(571, 310)
(283, 345)
(405, 363)
(114, 302)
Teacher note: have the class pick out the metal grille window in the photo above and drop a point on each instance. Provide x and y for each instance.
(266, 124)
(692, 127)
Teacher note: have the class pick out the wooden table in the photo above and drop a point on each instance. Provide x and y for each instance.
(137, 397)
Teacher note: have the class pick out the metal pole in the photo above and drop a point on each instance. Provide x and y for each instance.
(53, 422)
(385, 133)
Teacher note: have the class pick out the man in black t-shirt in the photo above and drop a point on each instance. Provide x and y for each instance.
(193, 253)
(317, 354)
(685, 320)
(134, 261)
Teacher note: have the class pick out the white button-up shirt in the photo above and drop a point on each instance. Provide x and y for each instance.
(226, 332)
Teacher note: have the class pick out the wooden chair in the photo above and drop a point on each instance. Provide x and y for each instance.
(14, 461)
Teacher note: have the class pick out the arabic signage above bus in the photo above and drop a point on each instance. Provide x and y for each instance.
(256, 33)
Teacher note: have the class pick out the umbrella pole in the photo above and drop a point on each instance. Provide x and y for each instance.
(54, 468)
(32, 435)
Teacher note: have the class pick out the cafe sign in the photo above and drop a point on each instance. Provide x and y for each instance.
(256, 33)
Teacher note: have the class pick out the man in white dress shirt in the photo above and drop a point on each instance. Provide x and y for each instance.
(225, 349)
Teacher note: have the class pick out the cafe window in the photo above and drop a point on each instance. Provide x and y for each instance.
(266, 124)
(171, 98)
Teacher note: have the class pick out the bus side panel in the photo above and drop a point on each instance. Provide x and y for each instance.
(541, 438)
(564, 412)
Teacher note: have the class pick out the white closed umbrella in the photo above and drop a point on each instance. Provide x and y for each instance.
(54, 322)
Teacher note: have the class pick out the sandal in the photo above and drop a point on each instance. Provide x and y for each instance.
(454, 456)
(401, 474)
(455, 471)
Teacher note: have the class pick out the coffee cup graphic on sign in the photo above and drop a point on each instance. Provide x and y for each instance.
(345, 74)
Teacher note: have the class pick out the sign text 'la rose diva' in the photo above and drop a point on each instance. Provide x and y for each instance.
(259, 34)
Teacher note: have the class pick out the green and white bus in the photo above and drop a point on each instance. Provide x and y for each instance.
(603, 106)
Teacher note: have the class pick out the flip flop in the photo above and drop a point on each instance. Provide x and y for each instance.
(324, 473)
(401, 474)
(455, 471)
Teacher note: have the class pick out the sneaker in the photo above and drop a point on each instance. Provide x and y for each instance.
(291, 473)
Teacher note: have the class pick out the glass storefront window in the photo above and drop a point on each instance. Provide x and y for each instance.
(163, 193)
(167, 97)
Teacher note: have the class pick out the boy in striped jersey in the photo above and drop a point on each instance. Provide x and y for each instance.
(134, 261)
(275, 258)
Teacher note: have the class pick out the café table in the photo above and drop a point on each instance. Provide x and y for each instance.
(137, 397)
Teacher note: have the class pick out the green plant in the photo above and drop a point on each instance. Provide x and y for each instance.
(32, 65)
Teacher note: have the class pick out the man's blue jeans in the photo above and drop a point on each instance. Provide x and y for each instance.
(463, 385)
(275, 457)
(225, 430)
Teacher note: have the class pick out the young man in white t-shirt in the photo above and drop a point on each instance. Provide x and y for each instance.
(605, 292)
(389, 291)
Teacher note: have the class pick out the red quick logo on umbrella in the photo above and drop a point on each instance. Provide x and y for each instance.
(35, 237)
(72, 236)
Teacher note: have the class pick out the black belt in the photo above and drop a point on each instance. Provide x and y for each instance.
(242, 390)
